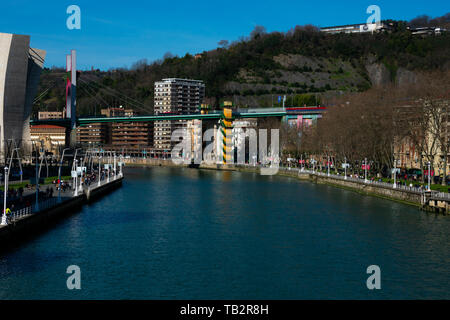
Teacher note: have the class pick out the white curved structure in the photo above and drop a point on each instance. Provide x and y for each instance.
(20, 69)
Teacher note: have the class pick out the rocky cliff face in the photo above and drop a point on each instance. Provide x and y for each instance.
(297, 74)
(378, 74)
(405, 76)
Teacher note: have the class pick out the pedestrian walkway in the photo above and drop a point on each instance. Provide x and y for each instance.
(51, 197)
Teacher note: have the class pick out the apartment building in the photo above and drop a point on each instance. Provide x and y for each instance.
(356, 28)
(117, 112)
(174, 96)
(429, 136)
(44, 115)
(92, 135)
(130, 135)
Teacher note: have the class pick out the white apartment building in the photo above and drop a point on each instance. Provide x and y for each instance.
(356, 28)
(174, 96)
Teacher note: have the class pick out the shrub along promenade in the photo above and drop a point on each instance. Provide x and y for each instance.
(27, 183)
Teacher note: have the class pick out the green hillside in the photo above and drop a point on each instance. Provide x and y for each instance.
(255, 70)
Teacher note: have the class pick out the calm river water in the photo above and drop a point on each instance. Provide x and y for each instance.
(172, 233)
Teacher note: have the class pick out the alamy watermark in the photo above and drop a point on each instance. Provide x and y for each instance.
(374, 281)
(74, 280)
(375, 16)
(189, 149)
(74, 20)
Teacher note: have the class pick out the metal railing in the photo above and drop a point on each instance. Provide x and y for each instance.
(93, 185)
(360, 180)
(16, 215)
(33, 209)
(44, 205)
(441, 195)
(52, 202)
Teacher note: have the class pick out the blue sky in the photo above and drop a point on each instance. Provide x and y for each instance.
(118, 33)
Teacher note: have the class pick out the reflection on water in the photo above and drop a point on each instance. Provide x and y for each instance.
(194, 234)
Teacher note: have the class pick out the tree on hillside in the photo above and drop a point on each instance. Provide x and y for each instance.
(258, 31)
(223, 44)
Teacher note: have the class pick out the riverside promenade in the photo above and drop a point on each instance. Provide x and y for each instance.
(431, 201)
(37, 216)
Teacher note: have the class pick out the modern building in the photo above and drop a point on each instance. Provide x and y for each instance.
(20, 69)
(52, 138)
(44, 115)
(355, 28)
(92, 135)
(426, 31)
(117, 112)
(130, 135)
(174, 96)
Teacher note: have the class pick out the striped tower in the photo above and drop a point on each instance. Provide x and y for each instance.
(226, 129)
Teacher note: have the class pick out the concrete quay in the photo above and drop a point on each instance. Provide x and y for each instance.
(27, 223)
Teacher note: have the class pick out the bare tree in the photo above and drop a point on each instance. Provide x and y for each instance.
(257, 32)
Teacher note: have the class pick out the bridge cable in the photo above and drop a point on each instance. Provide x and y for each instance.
(42, 94)
(127, 97)
(132, 101)
(94, 95)
(116, 95)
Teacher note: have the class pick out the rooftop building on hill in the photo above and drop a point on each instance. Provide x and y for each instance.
(355, 28)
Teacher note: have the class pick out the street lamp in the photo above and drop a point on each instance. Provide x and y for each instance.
(81, 175)
(76, 177)
(328, 165)
(365, 169)
(59, 173)
(74, 165)
(429, 176)
(99, 168)
(36, 207)
(115, 170)
(16, 151)
(4, 222)
(345, 168)
(395, 174)
(121, 165)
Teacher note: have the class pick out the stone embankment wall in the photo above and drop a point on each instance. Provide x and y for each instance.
(400, 195)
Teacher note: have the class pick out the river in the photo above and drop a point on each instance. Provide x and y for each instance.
(172, 233)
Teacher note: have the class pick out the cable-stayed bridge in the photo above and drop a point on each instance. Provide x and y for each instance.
(215, 115)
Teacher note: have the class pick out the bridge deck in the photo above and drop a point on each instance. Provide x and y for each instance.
(257, 113)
